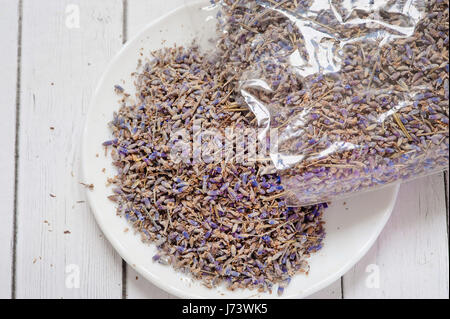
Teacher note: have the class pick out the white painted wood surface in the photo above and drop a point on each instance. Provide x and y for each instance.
(9, 21)
(411, 254)
(333, 291)
(60, 67)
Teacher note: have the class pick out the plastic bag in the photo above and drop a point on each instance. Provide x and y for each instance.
(356, 90)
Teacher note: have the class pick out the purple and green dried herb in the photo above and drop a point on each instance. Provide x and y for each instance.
(221, 222)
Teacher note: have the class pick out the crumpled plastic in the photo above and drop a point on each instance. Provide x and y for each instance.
(356, 90)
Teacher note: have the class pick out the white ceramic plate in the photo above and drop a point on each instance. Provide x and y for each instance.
(351, 228)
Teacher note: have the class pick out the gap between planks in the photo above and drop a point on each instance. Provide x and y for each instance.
(9, 87)
(446, 200)
(16, 147)
(124, 40)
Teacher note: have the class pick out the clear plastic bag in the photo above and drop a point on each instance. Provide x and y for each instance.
(356, 90)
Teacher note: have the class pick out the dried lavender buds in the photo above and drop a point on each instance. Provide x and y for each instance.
(358, 93)
(219, 221)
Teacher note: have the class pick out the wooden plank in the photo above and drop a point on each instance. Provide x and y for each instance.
(143, 12)
(60, 250)
(139, 288)
(9, 20)
(410, 258)
(333, 291)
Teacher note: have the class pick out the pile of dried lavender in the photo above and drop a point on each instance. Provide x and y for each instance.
(359, 97)
(220, 222)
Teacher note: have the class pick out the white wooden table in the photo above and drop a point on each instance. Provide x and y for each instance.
(52, 54)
